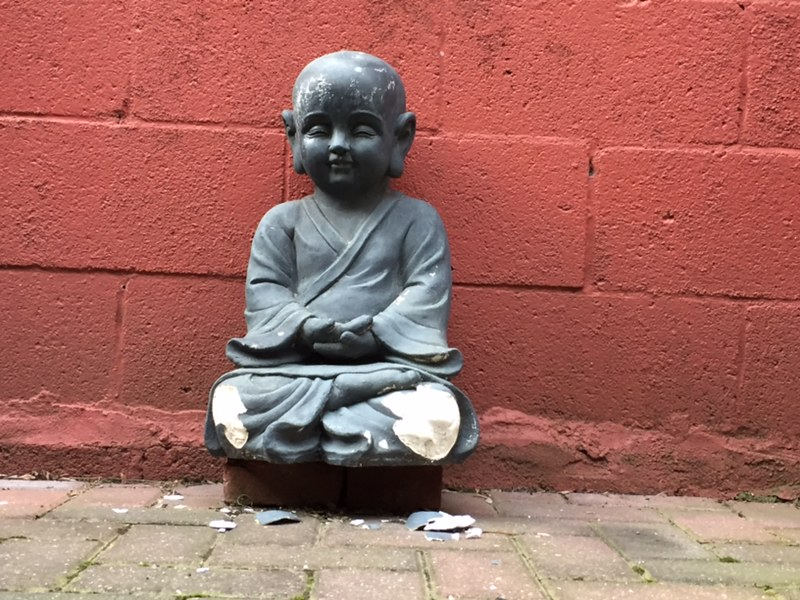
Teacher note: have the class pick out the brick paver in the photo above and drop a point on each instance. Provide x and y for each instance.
(361, 584)
(63, 541)
(478, 575)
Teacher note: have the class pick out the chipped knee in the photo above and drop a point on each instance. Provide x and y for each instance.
(226, 406)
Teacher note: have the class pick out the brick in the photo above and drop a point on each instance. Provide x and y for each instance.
(772, 115)
(638, 502)
(638, 542)
(769, 515)
(577, 557)
(359, 584)
(463, 503)
(118, 496)
(234, 57)
(30, 503)
(58, 336)
(709, 527)
(161, 545)
(41, 564)
(760, 553)
(274, 585)
(176, 329)
(593, 358)
(767, 403)
(575, 590)
(473, 575)
(506, 197)
(520, 504)
(207, 495)
(789, 535)
(135, 198)
(250, 533)
(704, 222)
(608, 70)
(49, 48)
(267, 555)
(705, 572)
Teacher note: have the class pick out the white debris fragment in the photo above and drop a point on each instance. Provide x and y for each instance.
(172, 497)
(180, 506)
(222, 525)
(449, 523)
(542, 534)
(357, 522)
(202, 570)
(3, 502)
(225, 510)
(120, 511)
(473, 533)
(442, 536)
(247, 509)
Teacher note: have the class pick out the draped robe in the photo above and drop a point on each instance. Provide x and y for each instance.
(395, 269)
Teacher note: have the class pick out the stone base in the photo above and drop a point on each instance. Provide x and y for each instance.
(397, 490)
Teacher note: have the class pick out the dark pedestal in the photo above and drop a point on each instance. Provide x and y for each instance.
(310, 485)
(398, 490)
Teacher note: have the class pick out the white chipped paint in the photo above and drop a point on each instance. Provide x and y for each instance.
(281, 333)
(383, 444)
(428, 419)
(226, 406)
(368, 435)
(358, 69)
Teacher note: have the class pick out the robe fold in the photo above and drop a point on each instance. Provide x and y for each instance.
(396, 269)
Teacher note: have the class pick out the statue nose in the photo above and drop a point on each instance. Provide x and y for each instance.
(339, 144)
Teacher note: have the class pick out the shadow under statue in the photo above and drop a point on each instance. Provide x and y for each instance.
(342, 395)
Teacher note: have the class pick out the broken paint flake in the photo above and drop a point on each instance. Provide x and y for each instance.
(120, 511)
(222, 525)
(449, 523)
(442, 536)
(276, 517)
(202, 570)
(419, 519)
(172, 497)
(473, 533)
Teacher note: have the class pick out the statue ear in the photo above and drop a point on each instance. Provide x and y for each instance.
(291, 134)
(404, 130)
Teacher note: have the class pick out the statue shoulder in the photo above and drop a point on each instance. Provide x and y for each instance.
(417, 209)
(283, 216)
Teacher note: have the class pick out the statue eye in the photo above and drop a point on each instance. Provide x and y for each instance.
(364, 131)
(318, 131)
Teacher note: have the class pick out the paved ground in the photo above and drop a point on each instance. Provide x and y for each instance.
(67, 540)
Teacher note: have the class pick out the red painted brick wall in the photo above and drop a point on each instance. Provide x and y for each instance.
(620, 180)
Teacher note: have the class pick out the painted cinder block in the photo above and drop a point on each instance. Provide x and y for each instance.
(135, 198)
(770, 385)
(175, 331)
(66, 58)
(772, 112)
(240, 59)
(514, 208)
(57, 335)
(698, 221)
(620, 72)
(635, 361)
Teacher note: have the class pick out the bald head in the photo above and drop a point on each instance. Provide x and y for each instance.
(351, 78)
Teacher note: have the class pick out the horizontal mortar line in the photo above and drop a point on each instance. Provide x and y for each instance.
(630, 294)
(703, 148)
(120, 272)
(133, 121)
(566, 290)
(726, 298)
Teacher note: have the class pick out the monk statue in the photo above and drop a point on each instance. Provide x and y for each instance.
(348, 291)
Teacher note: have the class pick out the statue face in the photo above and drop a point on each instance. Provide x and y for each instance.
(346, 134)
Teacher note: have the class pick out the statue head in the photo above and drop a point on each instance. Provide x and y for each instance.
(349, 129)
